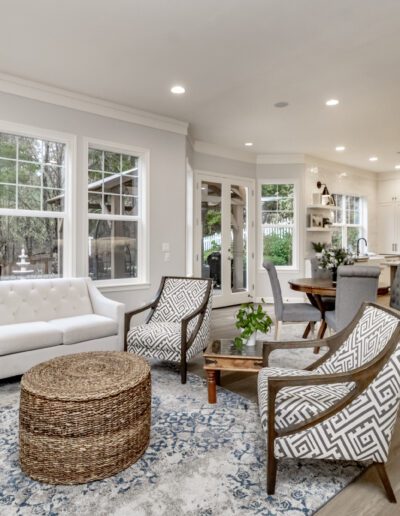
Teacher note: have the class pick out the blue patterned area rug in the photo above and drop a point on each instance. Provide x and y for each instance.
(203, 460)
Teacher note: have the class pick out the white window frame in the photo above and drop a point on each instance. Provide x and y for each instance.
(363, 218)
(260, 240)
(142, 218)
(69, 213)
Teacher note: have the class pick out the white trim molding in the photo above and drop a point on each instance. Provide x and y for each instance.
(280, 159)
(224, 152)
(61, 97)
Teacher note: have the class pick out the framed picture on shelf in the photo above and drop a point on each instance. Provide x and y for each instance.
(316, 221)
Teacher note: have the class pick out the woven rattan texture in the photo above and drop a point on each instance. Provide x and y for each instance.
(84, 417)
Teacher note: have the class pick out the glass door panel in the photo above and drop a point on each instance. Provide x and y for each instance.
(211, 238)
(238, 238)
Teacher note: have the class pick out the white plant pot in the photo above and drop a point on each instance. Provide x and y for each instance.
(252, 340)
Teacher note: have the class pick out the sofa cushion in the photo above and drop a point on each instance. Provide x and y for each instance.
(84, 327)
(15, 338)
(43, 299)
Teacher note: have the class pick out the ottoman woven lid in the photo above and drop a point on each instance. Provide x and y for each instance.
(81, 376)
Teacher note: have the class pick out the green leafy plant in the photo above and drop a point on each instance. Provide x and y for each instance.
(251, 318)
(318, 246)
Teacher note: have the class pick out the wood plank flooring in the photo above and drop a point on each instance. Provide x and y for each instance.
(365, 496)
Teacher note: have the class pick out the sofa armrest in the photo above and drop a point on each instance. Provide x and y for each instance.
(102, 305)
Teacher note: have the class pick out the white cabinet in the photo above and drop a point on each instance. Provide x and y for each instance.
(389, 190)
(389, 227)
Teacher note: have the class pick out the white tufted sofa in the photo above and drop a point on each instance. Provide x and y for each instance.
(41, 319)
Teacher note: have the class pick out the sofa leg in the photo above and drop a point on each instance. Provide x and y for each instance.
(271, 474)
(380, 467)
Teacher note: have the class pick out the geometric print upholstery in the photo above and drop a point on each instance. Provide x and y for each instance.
(361, 431)
(295, 405)
(367, 340)
(161, 337)
(179, 298)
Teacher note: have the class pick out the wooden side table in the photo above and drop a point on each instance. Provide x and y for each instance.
(221, 355)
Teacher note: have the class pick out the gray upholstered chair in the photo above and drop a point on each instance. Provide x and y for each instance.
(316, 272)
(395, 291)
(341, 407)
(288, 312)
(178, 326)
(355, 285)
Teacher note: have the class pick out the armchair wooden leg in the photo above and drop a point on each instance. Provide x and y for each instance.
(271, 473)
(307, 330)
(380, 467)
(183, 371)
(321, 333)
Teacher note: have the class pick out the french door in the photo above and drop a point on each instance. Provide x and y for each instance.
(224, 236)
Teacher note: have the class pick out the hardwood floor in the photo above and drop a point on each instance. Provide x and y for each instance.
(363, 497)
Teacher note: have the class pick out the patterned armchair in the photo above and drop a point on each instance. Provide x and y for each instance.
(178, 325)
(344, 405)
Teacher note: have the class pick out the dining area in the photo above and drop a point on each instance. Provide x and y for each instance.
(333, 293)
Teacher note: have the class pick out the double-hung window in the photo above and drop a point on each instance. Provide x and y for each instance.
(32, 206)
(116, 212)
(278, 223)
(349, 221)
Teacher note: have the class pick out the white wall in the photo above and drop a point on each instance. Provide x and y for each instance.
(220, 165)
(167, 176)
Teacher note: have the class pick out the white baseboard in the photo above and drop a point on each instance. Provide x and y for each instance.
(285, 299)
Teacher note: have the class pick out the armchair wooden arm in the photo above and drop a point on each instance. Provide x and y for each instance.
(129, 315)
(269, 347)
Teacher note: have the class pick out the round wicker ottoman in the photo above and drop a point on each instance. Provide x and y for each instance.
(84, 417)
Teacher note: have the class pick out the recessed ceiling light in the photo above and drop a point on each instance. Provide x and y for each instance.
(340, 148)
(249, 144)
(373, 158)
(397, 167)
(332, 102)
(177, 90)
(281, 104)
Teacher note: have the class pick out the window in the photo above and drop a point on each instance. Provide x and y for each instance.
(348, 225)
(278, 223)
(116, 215)
(32, 206)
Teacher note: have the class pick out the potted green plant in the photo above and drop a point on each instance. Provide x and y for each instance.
(251, 318)
(318, 248)
(332, 258)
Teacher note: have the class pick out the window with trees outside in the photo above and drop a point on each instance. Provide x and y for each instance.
(348, 225)
(278, 223)
(115, 214)
(32, 211)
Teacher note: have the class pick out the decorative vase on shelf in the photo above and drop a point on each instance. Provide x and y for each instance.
(251, 341)
(334, 275)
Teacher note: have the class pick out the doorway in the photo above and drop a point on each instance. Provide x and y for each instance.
(224, 236)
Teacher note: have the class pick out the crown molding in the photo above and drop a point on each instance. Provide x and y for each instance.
(60, 97)
(223, 152)
(280, 159)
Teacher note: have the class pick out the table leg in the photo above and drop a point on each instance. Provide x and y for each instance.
(212, 385)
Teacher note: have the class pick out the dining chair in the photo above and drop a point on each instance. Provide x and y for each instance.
(395, 291)
(318, 273)
(355, 285)
(343, 406)
(178, 325)
(288, 312)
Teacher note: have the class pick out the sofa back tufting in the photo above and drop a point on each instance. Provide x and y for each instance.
(43, 299)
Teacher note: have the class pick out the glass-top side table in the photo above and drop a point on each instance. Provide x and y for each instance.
(222, 355)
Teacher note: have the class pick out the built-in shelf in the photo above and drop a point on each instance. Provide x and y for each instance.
(329, 207)
(319, 230)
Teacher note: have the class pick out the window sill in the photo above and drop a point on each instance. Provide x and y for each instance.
(120, 287)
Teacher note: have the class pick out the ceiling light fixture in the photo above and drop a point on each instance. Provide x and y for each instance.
(397, 167)
(178, 90)
(249, 144)
(281, 104)
(332, 102)
(373, 158)
(340, 148)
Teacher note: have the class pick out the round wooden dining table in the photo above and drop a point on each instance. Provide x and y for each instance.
(316, 289)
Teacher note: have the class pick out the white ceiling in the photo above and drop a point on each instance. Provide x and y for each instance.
(236, 58)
